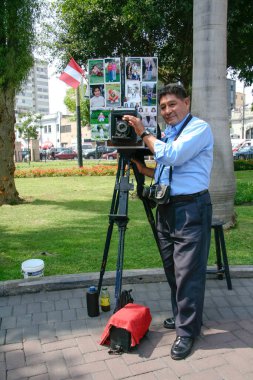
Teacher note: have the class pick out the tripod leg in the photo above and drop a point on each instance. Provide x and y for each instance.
(122, 219)
(119, 270)
(113, 210)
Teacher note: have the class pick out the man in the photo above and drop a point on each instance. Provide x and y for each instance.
(184, 224)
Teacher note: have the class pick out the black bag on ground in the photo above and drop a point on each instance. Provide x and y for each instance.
(120, 340)
(125, 298)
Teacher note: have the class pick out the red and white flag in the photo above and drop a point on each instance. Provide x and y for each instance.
(72, 74)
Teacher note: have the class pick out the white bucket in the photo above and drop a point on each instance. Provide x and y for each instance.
(33, 268)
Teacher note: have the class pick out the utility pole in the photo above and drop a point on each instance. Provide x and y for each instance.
(79, 133)
(243, 110)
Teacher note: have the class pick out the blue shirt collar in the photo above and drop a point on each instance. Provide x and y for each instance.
(172, 130)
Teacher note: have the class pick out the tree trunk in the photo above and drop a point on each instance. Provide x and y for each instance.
(8, 192)
(209, 98)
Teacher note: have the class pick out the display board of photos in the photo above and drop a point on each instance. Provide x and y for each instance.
(106, 79)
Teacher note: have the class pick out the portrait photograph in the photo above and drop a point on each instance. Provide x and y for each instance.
(112, 70)
(149, 96)
(97, 98)
(100, 132)
(133, 92)
(96, 71)
(113, 95)
(99, 116)
(149, 69)
(133, 68)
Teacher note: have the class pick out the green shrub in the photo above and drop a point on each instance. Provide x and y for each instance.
(244, 193)
(243, 165)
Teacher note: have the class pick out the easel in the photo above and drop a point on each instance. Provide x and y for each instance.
(119, 215)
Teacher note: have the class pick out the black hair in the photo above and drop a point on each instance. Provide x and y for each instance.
(94, 88)
(172, 89)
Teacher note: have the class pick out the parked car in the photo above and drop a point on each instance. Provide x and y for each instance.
(110, 155)
(66, 154)
(25, 154)
(87, 146)
(51, 153)
(89, 153)
(245, 153)
(240, 143)
(105, 149)
(97, 152)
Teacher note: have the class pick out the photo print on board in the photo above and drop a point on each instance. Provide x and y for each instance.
(100, 132)
(149, 97)
(97, 98)
(99, 120)
(133, 68)
(112, 70)
(149, 118)
(96, 71)
(132, 94)
(99, 116)
(113, 95)
(149, 69)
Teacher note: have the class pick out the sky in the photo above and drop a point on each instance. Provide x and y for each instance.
(57, 92)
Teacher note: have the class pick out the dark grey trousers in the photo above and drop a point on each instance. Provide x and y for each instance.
(184, 231)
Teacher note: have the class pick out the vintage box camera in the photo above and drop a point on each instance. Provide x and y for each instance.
(121, 133)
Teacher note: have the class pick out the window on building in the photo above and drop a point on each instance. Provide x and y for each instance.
(49, 129)
(45, 129)
(249, 133)
(65, 128)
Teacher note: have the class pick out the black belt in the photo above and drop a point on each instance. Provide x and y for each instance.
(186, 197)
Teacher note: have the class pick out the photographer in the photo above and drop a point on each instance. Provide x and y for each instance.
(184, 223)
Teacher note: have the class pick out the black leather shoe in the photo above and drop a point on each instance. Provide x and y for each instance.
(169, 323)
(181, 347)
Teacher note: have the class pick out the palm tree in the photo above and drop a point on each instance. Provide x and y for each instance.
(209, 98)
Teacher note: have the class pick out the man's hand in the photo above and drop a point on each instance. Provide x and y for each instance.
(139, 128)
(135, 122)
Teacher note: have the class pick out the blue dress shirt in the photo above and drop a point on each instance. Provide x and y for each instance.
(191, 157)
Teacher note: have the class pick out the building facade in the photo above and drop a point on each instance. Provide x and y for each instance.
(34, 95)
(50, 130)
(61, 131)
(231, 95)
(242, 123)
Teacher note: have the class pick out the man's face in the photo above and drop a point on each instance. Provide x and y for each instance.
(174, 109)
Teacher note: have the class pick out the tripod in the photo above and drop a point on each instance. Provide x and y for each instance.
(119, 215)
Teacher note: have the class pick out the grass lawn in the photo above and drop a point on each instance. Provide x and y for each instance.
(67, 217)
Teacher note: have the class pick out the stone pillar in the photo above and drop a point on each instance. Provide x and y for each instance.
(35, 151)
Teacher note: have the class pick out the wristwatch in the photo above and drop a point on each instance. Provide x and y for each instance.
(145, 133)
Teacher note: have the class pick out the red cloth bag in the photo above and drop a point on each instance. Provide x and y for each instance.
(134, 318)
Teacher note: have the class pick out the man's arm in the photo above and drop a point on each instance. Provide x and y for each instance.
(139, 128)
(143, 169)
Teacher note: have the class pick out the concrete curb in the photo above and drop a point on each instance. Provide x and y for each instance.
(83, 280)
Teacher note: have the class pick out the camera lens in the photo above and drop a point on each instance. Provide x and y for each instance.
(122, 126)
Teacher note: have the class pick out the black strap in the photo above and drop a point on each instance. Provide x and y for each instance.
(180, 131)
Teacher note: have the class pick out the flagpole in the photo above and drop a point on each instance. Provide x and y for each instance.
(78, 127)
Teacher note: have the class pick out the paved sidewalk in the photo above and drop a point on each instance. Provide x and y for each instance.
(48, 336)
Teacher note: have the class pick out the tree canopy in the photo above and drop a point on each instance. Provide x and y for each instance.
(70, 103)
(17, 41)
(98, 28)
